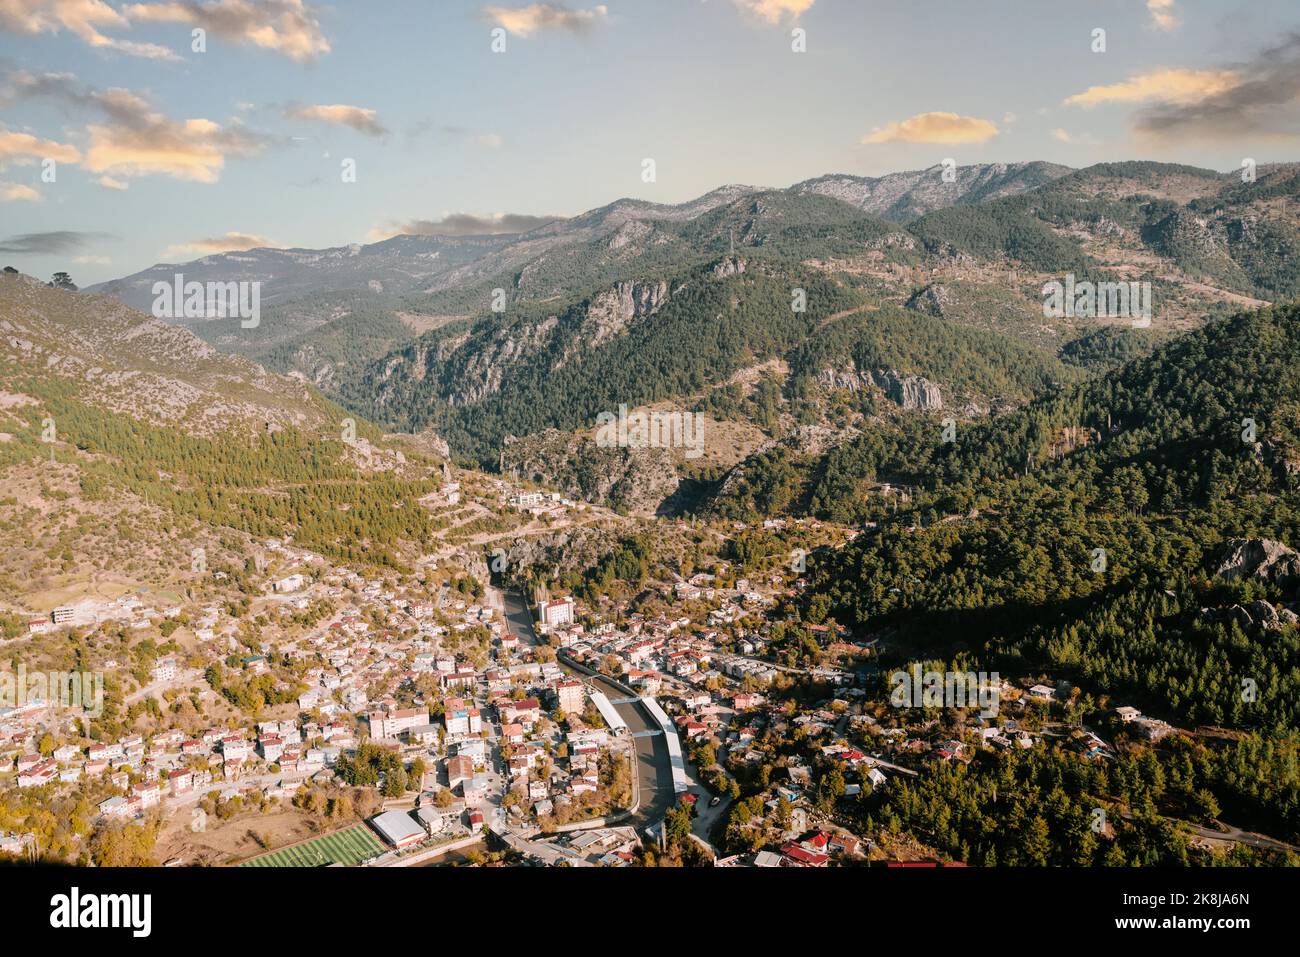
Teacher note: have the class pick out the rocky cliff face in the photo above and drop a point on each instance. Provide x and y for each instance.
(909, 392)
(483, 360)
(933, 300)
(614, 309)
(427, 442)
(635, 479)
(369, 458)
(483, 372)
(551, 555)
(1181, 234)
(729, 266)
(1260, 558)
(1257, 614)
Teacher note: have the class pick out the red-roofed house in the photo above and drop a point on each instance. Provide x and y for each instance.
(798, 856)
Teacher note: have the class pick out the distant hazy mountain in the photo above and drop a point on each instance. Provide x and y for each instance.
(395, 265)
(626, 227)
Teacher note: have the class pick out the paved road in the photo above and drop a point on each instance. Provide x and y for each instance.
(706, 814)
(874, 762)
(1233, 835)
(1236, 835)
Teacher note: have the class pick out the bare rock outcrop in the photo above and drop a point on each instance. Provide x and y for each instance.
(611, 311)
(1259, 614)
(635, 479)
(1261, 558)
(933, 300)
(911, 392)
(729, 266)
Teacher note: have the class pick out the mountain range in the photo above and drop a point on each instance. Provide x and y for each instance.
(636, 303)
(1074, 496)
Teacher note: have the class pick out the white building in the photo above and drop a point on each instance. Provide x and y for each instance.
(291, 583)
(165, 669)
(558, 613)
(398, 828)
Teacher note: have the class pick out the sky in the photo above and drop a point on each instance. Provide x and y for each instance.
(133, 133)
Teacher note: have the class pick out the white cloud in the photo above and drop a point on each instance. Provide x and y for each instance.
(85, 18)
(1258, 98)
(1164, 14)
(774, 11)
(934, 128)
(289, 27)
(132, 139)
(1178, 86)
(462, 224)
(525, 21)
(24, 147)
(228, 243)
(16, 192)
(339, 114)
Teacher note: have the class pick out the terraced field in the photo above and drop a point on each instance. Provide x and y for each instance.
(347, 847)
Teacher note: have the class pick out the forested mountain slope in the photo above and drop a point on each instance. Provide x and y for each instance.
(637, 342)
(152, 443)
(1087, 532)
(128, 361)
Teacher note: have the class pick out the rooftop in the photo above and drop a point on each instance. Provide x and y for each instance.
(397, 827)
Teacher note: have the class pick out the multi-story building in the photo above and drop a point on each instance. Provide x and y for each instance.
(525, 712)
(571, 695)
(558, 613)
(462, 718)
(391, 724)
(164, 669)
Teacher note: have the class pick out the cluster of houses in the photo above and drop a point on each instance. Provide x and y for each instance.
(597, 847)
(469, 787)
(1152, 729)
(538, 504)
(172, 765)
(437, 676)
(90, 612)
(800, 846)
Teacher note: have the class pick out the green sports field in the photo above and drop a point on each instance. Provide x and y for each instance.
(350, 846)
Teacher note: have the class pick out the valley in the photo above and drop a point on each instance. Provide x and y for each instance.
(285, 547)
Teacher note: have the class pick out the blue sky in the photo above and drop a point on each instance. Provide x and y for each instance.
(167, 153)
